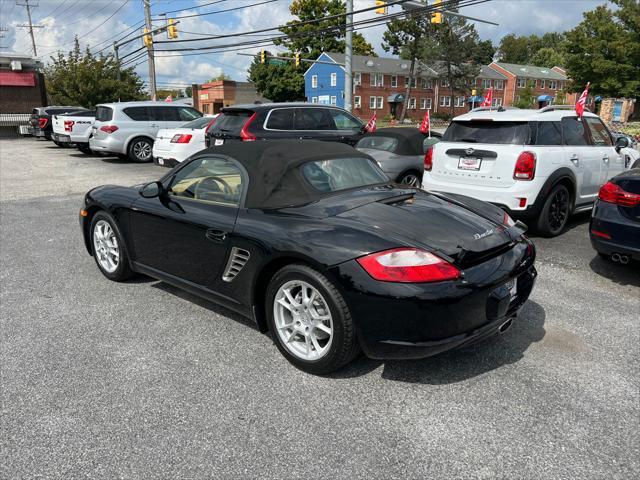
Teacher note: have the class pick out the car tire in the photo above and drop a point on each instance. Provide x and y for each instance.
(321, 350)
(410, 179)
(104, 236)
(140, 150)
(555, 212)
(60, 144)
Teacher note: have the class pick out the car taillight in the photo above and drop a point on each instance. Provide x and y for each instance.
(244, 133)
(206, 130)
(108, 128)
(525, 166)
(612, 193)
(42, 122)
(507, 220)
(178, 138)
(408, 265)
(68, 125)
(428, 160)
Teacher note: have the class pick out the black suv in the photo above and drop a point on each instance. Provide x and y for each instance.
(271, 121)
(40, 120)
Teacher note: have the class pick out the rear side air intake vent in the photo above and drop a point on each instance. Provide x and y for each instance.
(237, 260)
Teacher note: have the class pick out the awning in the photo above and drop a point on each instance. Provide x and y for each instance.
(598, 98)
(475, 99)
(17, 79)
(545, 98)
(395, 98)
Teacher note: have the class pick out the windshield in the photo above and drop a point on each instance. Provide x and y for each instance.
(343, 173)
(479, 131)
(388, 144)
(201, 122)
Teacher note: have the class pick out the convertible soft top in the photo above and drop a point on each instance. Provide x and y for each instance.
(275, 181)
(410, 140)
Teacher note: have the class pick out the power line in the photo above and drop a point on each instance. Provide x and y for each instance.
(192, 8)
(227, 10)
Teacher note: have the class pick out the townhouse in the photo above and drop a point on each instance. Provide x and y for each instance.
(379, 85)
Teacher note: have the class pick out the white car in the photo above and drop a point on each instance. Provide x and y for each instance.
(538, 165)
(175, 145)
(73, 128)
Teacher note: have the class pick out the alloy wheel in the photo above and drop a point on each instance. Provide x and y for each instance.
(558, 210)
(105, 246)
(411, 180)
(303, 320)
(142, 150)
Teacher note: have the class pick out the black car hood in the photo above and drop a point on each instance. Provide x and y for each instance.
(459, 227)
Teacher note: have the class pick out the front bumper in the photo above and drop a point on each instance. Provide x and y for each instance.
(405, 321)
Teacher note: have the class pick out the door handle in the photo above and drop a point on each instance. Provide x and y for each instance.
(215, 235)
(605, 159)
(153, 125)
(575, 159)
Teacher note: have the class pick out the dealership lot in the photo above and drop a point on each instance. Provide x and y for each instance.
(141, 380)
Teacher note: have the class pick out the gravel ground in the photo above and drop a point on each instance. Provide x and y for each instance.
(140, 380)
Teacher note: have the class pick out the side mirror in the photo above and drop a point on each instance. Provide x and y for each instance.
(151, 190)
(622, 142)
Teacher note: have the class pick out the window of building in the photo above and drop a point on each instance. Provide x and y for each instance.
(553, 85)
(333, 100)
(499, 84)
(334, 79)
(377, 80)
(496, 102)
(429, 103)
(444, 83)
(486, 83)
(427, 84)
(314, 81)
(394, 81)
(380, 100)
(205, 108)
(534, 83)
(423, 104)
(445, 101)
(372, 103)
(357, 78)
(357, 101)
(412, 103)
(542, 84)
(314, 99)
(459, 101)
(522, 82)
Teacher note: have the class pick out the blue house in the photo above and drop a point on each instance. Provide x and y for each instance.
(325, 83)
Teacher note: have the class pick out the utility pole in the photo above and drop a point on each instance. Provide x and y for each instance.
(30, 25)
(348, 76)
(152, 65)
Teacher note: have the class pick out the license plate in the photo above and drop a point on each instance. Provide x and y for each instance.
(466, 163)
(512, 285)
(218, 141)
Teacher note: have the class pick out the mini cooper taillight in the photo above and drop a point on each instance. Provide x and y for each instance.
(612, 193)
(428, 159)
(245, 135)
(525, 166)
(42, 122)
(408, 265)
(108, 128)
(68, 125)
(181, 138)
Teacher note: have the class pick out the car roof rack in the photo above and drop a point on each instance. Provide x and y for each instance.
(493, 109)
(551, 108)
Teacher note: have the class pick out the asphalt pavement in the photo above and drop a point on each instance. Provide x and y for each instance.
(141, 380)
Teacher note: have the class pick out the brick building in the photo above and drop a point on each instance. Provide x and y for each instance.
(379, 85)
(211, 97)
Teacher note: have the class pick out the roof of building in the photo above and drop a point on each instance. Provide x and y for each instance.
(487, 72)
(531, 71)
(393, 66)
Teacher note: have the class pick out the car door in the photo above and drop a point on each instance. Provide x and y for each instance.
(349, 129)
(613, 163)
(163, 117)
(582, 158)
(315, 123)
(279, 124)
(186, 231)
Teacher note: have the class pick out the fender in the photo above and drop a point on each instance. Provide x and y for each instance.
(560, 174)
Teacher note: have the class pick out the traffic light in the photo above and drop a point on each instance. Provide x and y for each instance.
(437, 16)
(148, 38)
(172, 29)
(263, 56)
(297, 58)
(382, 7)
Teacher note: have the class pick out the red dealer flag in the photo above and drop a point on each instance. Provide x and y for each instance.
(169, 99)
(425, 126)
(488, 98)
(582, 100)
(371, 125)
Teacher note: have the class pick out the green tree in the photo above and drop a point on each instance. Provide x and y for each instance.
(278, 83)
(404, 37)
(547, 50)
(86, 79)
(222, 76)
(548, 57)
(482, 52)
(162, 93)
(526, 97)
(514, 49)
(604, 49)
(188, 91)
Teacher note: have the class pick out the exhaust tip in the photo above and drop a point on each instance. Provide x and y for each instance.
(624, 259)
(615, 257)
(505, 326)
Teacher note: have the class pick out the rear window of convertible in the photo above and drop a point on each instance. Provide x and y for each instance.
(387, 144)
(342, 174)
(509, 133)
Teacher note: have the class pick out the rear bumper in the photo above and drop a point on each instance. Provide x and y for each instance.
(61, 138)
(109, 145)
(624, 233)
(165, 162)
(36, 132)
(403, 321)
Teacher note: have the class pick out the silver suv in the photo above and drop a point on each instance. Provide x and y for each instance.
(129, 128)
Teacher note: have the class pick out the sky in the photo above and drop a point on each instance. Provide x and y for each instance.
(98, 22)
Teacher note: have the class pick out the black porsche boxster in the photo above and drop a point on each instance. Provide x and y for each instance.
(312, 241)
